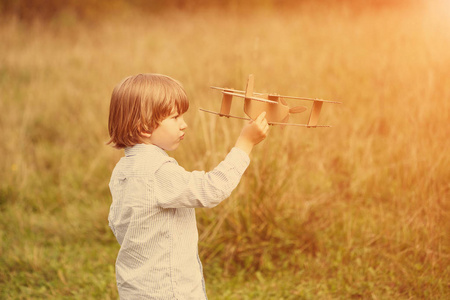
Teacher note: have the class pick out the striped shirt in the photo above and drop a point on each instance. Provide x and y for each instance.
(152, 216)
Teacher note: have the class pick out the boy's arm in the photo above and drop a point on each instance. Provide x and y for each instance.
(175, 187)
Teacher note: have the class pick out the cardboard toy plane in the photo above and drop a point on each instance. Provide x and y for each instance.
(275, 106)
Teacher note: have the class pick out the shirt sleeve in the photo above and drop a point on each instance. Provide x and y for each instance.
(175, 187)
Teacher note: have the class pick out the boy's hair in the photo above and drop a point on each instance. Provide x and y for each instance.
(139, 104)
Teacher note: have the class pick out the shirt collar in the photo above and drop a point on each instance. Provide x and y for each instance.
(144, 148)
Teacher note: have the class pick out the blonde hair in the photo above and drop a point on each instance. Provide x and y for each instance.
(139, 104)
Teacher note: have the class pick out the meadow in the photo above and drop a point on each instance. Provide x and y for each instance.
(360, 210)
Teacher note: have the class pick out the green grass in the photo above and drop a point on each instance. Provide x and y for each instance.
(357, 211)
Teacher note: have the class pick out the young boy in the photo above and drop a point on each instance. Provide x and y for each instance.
(153, 199)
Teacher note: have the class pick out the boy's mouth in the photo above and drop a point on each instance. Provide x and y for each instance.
(182, 136)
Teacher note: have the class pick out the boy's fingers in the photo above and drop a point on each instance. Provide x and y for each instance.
(261, 116)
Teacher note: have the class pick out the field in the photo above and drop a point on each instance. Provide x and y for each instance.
(360, 210)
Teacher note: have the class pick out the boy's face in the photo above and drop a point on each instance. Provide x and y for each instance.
(169, 133)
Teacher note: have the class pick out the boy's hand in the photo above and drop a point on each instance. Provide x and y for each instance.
(253, 133)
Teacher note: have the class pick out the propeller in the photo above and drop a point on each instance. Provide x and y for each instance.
(297, 109)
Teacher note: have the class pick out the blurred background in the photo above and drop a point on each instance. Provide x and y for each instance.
(357, 211)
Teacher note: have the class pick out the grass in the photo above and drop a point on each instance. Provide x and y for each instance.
(357, 211)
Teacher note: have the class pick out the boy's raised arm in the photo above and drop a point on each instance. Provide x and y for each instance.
(175, 187)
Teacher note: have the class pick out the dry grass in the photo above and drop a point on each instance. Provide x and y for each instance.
(360, 210)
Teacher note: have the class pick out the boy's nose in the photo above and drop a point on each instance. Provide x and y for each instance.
(183, 125)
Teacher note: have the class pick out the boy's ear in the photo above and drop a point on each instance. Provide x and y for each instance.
(144, 131)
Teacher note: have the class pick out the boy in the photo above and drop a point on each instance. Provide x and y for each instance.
(153, 199)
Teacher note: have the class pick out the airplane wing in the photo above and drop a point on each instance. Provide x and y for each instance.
(233, 90)
(252, 98)
(240, 93)
(224, 115)
(270, 123)
(227, 90)
(296, 124)
(309, 99)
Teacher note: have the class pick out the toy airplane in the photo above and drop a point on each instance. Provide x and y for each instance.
(275, 106)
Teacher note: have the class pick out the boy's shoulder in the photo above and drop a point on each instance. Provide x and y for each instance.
(142, 159)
